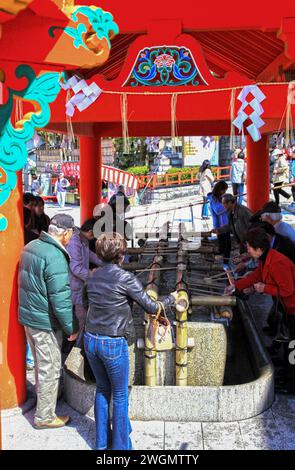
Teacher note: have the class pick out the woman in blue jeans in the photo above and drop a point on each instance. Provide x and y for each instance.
(108, 294)
(220, 219)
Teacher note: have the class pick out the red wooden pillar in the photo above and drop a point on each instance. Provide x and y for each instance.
(90, 175)
(12, 337)
(258, 185)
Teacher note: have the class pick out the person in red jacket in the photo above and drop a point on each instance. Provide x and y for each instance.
(275, 276)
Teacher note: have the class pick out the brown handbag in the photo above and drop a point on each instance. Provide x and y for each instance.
(76, 364)
(159, 331)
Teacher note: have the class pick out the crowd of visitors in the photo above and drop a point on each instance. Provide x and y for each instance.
(60, 297)
(267, 249)
(71, 283)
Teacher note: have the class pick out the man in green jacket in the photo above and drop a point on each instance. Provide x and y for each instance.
(45, 310)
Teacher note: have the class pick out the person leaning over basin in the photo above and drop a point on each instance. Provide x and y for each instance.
(107, 295)
(275, 276)
(271, 213)
(238, 217)
(45, 310)
(80, 258)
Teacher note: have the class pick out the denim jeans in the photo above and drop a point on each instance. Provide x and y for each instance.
(109, 360)
(238, 189)
(205, 207)
(29, 356)
(61, 198)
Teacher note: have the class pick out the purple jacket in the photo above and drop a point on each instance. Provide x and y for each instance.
(80, 257)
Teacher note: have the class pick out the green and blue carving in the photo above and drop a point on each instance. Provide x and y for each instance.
(165, 66)
(102, 23)
(41, 91)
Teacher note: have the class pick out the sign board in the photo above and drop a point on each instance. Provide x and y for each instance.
(198, 149)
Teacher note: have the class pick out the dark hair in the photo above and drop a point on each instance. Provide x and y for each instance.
(270, 206)
(28, 197)
(267, 227)
(258, 238)
(111, 247)
(241, 155)
(88, 225)
(229, 198)
(206, 164)
(39, 200)
(220, 186)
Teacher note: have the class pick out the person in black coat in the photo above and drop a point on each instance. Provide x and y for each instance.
(29, 203)
(278, 242)
(108, 295)
(119, 202)
(42, 220)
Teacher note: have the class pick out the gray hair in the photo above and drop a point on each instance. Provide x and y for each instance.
(55, 231)
(229, 198)
(274, 216)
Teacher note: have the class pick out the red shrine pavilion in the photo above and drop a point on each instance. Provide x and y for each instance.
(159, 67)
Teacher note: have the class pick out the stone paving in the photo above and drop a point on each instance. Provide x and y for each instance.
(272, 430)
(175, 216)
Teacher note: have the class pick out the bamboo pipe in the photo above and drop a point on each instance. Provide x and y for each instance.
(182, 305)
(150, 251)
(144, 266)
(181, 345)
(208, 291)
(152, 290)
(150, 352)
(207, 267)
(217, 300)
(145, 234)
(168, 209)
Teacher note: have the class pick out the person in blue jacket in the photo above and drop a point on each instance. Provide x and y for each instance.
(220, 219)
(292, 177)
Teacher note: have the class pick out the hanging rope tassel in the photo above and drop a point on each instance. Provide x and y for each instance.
(173, 120)
(124, 108)
(232, 117)
(289, 120)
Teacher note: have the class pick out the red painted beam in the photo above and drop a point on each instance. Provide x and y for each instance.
(220, 15)
(211, 107)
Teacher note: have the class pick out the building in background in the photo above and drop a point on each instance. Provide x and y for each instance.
(200, 148)
(108, 151)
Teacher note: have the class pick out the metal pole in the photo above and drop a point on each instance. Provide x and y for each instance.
(218, 300)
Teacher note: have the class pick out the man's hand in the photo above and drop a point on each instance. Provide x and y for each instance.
(237, 259)
(241, 258)
(229, 290)
(73, 337)
(240, 267)
(174, 294)
(249, 290)
(259, 287)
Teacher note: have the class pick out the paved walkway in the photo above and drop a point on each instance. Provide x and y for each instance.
(183, 214)
(272, 430)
